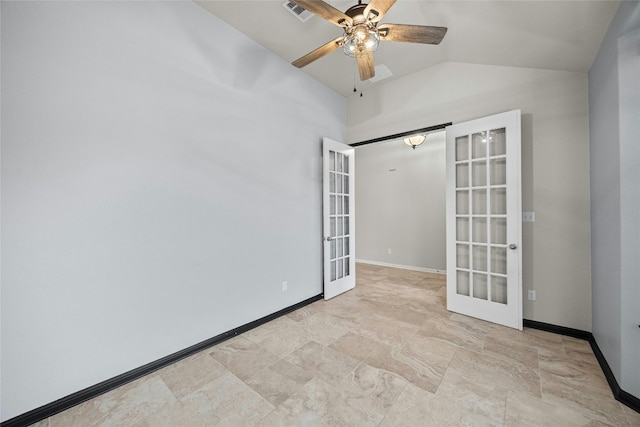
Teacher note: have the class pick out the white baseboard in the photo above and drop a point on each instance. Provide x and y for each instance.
(404, 267)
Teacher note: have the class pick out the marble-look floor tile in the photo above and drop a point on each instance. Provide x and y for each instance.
(579, 350)
(435, 307)
(407, 313)
(501, 348)
(633, 417)
(471, 396)
(302, 313)
(355, 346)
(385, 330)
(226, 401)
(417, 407)
(577, 373)
(280, 336)
(328, 364)
(461, 334)
(442, 292)
(500, 375)
(361, 399)
(279, 381)
(347, 307)
(370, 390)
(524, 410)
(318, 404)
(545, 342)
(243, 357)
(325, 328)
(580, 386)
(191, 373)
(362, 267)
(132, 404)
(421, 362)
(399, 290)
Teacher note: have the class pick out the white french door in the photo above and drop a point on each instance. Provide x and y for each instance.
(338, 218)
(484, 219)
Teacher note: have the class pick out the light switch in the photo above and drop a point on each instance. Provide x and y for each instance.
(528, 217)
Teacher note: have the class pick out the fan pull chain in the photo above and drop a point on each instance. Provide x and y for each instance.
(354, 82)
(355, 88)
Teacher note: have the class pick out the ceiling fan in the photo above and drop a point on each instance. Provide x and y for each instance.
(362, 34)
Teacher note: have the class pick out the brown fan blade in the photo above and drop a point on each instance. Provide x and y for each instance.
(325, 11)
(365, 65)
(412, 33)
(379, 7)
(318, 53)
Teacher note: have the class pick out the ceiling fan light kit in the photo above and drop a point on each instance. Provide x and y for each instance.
(361, 40)
(362, 34)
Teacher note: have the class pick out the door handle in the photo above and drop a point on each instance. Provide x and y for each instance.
(513, 246)
(329, 239)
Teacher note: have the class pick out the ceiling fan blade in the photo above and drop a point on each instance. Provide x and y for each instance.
(366, 66)
(380, 8)
(318, 53)
(412, 33)
(325, 11)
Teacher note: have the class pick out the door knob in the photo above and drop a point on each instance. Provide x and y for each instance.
(329, 239)
(513, 246)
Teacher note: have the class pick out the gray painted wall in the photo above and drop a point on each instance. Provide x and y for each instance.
(161, 177)
(614, 123)
(400, 203)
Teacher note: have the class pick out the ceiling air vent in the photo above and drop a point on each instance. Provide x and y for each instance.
(299, 12)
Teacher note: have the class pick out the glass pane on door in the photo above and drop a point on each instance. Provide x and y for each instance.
(462, 202)
(479, 145)
(463, 285)
(479, 172)
(462, 148)
(462, 253)
(480, 286)
(498, 142)
(462, 175)
(499, 289)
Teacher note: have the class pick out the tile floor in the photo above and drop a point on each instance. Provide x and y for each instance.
(384, 354)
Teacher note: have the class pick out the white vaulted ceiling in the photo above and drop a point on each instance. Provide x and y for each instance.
(555, 35)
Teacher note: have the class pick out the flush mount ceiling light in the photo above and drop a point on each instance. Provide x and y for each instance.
(415, 140)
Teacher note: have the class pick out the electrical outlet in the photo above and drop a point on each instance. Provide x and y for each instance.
(531, 295)
(389, 251)
(528, 217)
(284, 286)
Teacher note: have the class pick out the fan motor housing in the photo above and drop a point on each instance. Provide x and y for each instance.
(354, 11)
